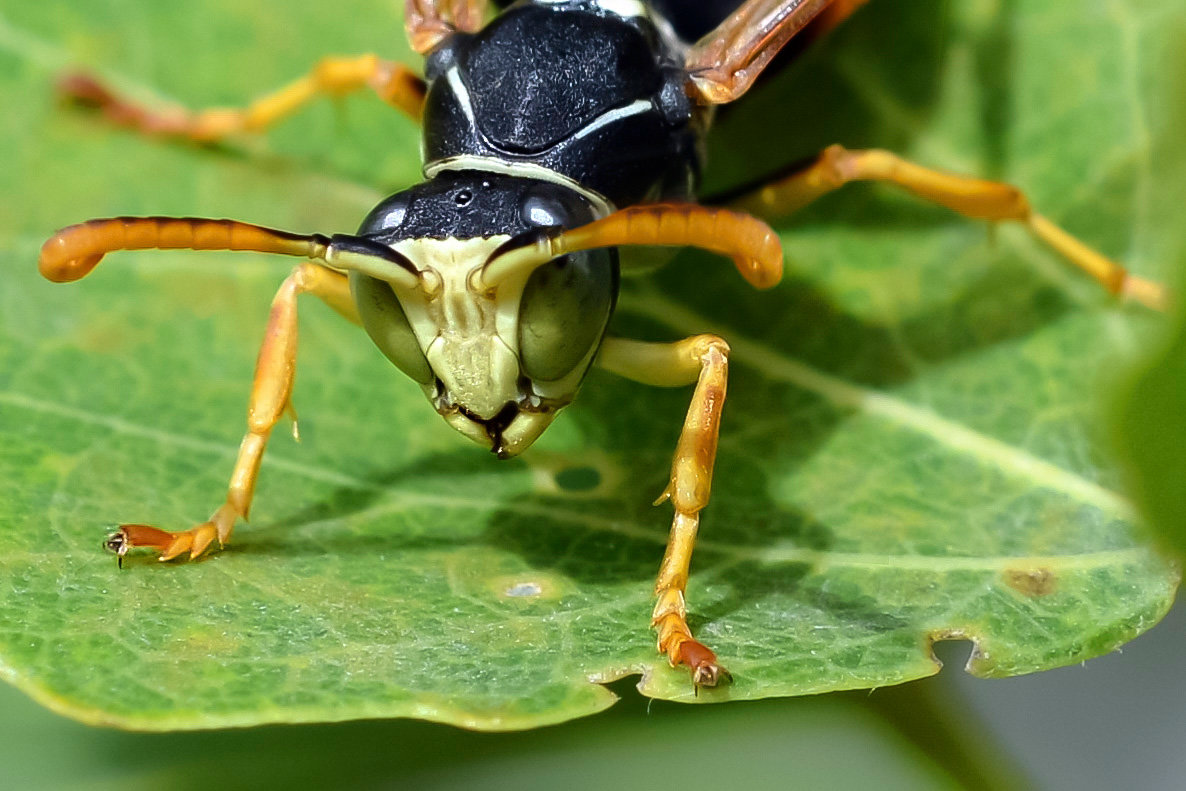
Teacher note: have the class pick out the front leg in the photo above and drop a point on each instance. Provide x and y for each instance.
(271, 392)
(703, 359)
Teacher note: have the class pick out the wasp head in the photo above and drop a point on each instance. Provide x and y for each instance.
(497, 356)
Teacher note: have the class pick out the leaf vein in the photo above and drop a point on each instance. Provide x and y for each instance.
(988, 450)
(122, 426)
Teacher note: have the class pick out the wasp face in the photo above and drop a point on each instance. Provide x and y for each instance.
(498, 360)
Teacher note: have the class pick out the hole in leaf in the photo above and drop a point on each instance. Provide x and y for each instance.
(953, 649)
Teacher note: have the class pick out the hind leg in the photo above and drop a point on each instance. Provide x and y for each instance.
(972, 197)
(394, 83)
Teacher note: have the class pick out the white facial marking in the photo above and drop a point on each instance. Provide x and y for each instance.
(458, 330)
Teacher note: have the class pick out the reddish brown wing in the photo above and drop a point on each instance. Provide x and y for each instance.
(724, 64)
(836, 12)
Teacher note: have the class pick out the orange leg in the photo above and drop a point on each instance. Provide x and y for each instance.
(971, 197)
(73, 252)
(428, 22)
(270, 400)
(703, 359)
(394, 83)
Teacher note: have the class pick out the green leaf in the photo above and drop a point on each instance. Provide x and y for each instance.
(910, 451)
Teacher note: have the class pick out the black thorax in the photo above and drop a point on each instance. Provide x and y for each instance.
(594, 97)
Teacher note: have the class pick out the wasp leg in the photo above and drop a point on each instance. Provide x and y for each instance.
(428, 22)
(703, 359)
(971, 197)
(395, 84)
(73, 253)
(270, 400)
(724, 64)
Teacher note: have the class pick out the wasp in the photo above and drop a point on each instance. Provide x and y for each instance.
(557, 134)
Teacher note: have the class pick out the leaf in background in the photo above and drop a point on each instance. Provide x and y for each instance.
(1151, 430)
(1149, 418)
(909, 450)
(833, 740)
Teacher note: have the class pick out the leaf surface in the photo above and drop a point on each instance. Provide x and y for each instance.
(911, 448)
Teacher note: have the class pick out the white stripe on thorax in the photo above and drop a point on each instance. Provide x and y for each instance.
(601, 205)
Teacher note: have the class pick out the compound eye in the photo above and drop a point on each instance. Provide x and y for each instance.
(552, 206)
(543, 212)
(384, 320)
(386, 217)
(562, 316)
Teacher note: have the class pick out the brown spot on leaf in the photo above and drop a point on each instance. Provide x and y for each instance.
(1031, 582)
